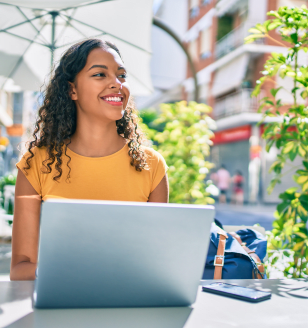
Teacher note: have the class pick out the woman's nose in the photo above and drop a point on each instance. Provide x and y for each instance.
(116, 83)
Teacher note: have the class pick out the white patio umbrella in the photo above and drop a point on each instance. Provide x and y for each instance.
(34, 33)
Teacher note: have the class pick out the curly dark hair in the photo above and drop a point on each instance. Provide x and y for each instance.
(56, 121)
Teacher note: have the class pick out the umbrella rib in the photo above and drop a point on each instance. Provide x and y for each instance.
(27, 21)
(10, 4)
(26, 39)
(95, 28)
(30, 22)
(68, 22)
(22, 56)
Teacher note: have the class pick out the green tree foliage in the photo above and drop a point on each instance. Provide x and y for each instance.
(185, 143)
(9, 179)
(288, 241)
(149, 117)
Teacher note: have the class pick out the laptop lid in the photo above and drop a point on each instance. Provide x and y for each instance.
(120, 254)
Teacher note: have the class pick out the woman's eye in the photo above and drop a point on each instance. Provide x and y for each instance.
(99, 74)
(123, 76)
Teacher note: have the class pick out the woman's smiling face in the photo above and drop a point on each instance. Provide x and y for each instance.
(100, 88)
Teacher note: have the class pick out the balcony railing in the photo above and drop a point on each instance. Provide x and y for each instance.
(234, 39)
(236, 103)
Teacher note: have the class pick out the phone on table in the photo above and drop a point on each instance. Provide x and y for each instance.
(242, 293)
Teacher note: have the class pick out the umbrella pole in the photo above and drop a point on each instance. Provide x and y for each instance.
(53, 14)
(159, 23)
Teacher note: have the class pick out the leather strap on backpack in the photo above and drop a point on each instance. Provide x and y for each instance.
(253, 255)
(220, 256)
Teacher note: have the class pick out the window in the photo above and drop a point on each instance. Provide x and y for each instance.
(194, 8)
(206, 43)
(193, 4)
(194, 12)
(225, 25)
(193, 50)
(206, 2)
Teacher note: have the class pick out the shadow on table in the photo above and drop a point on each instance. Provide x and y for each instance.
(171, 317)
(281, 287)
(13, 291)
(15, 297)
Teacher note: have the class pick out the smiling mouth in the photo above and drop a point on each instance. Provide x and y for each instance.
(115, 101)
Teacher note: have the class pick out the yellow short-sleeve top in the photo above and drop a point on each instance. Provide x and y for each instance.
(99, 178)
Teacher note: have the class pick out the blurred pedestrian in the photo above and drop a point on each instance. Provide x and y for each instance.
(223, 181)
(238, 190)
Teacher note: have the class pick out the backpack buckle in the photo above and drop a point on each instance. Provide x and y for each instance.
(220, 257)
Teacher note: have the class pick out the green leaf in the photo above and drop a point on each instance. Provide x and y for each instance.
(305, 164)
(254, 30)
(269, 145)
(303, 198)
(261, 27)
(302, 179)
(250, 38)
(196, 194)
(274, 260)
(302, 151)
(274, 91)
(282, 206)
(291, 190)
(302, 172)
(288, 147)
(304, 94)
(298, 246)
(305, 186)
(290, 74)
(293, 153)
(294, 37)
(301, 234)
(273, 166)
(274, 25)
(286, 253)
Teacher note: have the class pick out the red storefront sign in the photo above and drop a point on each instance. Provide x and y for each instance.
(232, 135)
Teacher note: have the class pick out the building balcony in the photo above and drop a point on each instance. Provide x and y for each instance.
(234, 39)
(236, 103)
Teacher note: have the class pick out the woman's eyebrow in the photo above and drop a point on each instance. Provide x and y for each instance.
(105, 67)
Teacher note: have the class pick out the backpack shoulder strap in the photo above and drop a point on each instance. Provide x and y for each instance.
(220, 256)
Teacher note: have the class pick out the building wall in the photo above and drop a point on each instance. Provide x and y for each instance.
(230, 153)
(168, 63)
(200, 62)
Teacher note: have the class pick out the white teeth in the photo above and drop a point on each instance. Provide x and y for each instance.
(117, 99)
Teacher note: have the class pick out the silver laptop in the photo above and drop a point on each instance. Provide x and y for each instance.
(120, 254)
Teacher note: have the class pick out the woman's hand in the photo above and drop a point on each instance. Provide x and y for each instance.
(161, 193)
(26, 224)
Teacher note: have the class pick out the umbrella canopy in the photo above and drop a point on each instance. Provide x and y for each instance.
(35, 33)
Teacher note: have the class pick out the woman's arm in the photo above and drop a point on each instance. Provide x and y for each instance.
(161, 193)
(25, 230)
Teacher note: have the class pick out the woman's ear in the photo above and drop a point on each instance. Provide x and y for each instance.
(73, 91)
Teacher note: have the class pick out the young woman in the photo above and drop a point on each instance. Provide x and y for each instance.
(86, 146)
